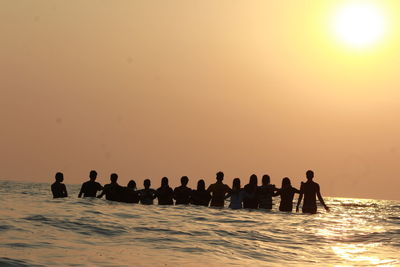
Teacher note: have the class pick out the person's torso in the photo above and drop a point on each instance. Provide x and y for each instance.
(131, 195)
(165, 195)
(236, 200)
(201, 197)
(58, 190)
(147, 196)
(310, 193)
(219, 191)
(113, 192)
(182, 195)
(90, 189)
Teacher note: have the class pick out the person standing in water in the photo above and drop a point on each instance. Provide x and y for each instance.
(147, 195)
(250, 200)
(265, 193)
(287, 193)
(59, 189)
(310, 190)
(90, 188)
(201, 196)
(113, 190)
(165, 194)
(236, 195)
(218, 191)
(131, 195)
(182, 193)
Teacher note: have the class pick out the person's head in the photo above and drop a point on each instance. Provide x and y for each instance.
(147, 183)
(253, 180)
(236, 184)
(220, 176)
(93, 175)
(164, 182)
(266, 179)
(59, 177)
(184, 180)
(132, 184)
(113, 177)
(286, 182)
(201, 185)
(310, 175)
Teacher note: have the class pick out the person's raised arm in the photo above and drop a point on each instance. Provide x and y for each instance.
(277, 192)
(102, 193)
(228, 192)
(209, 189)
(321, 199)
(300, 197)
(81, 192)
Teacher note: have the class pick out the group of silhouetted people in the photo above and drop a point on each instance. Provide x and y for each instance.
(251, 196)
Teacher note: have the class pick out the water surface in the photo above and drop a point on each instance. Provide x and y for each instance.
(36, 230)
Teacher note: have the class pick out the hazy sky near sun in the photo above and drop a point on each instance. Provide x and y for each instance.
(189, 87)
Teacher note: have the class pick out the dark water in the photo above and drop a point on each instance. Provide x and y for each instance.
(36, 230)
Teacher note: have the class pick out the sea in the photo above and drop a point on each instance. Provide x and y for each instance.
(36, 230)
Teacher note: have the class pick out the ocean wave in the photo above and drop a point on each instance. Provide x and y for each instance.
(7, 262)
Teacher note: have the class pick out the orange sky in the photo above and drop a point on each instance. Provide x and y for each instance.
(170, 88)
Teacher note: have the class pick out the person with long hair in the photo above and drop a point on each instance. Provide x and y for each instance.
(165, 193)
(287, 194)
(131, 195)
(236, 195)
(200, 196)
(250, 200)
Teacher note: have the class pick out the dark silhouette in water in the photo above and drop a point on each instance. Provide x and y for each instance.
(182, 193)
(265, 193)
(200, 196)
(165, 194)
(236, 195)
(59, 189)
(287, 193)
(90, 188)
(113, 190)
(130, 194)
(218, 191)
(147, 195)
(310, 190)
(250, 200)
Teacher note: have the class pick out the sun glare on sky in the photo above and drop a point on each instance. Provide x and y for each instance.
(359, 24)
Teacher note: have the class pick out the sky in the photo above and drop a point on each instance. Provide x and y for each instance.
(158, 88)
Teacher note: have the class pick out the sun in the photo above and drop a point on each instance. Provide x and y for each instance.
(359, 24)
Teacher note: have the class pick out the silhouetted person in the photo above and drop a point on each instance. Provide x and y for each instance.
(165, 194)
(287, 193)
(265, 193)
(130, 194)
(200, 196)
(250, 200)
(90, 188)
(310, 190)
(218, 191)
(182, 193)
(147, 195)
(58, 188)
(236, 195)
(113, 190)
